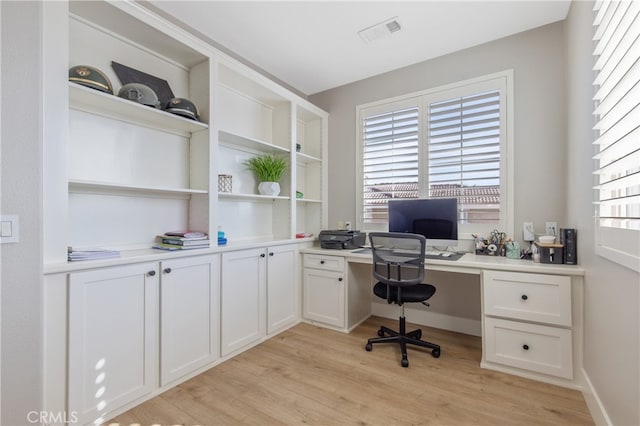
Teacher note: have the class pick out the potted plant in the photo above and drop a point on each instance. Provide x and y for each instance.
(268, 169)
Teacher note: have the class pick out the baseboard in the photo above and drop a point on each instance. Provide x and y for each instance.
(429, 319)
(596, 408)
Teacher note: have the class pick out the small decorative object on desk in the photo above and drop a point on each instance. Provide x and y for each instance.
(299, 194)
(513, 250)
(181, 240)
(496, 245)
(222, 240)
(225, 183)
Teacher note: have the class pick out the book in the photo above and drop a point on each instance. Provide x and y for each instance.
(90, 253)
(186, 234)
(184, 241)
(175, 238)
(172, 247)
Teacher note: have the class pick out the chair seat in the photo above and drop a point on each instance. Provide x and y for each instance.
(410, 294)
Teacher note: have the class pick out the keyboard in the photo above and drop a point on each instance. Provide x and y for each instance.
(442, 255)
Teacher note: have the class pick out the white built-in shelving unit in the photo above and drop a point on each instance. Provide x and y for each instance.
(131, 172)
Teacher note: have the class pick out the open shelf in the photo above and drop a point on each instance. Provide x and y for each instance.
(256, 197)
(308, 200)
(237, 141)
(307, 159)
(84, 186)
(100, 103)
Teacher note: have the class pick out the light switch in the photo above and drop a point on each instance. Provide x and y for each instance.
(6, 228)
(9, 228)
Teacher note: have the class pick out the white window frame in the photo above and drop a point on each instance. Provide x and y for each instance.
(617, 244)
(502, 80)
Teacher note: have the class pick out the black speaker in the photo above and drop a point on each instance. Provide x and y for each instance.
(569, 238)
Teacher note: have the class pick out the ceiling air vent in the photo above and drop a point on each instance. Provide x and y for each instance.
(380, 30)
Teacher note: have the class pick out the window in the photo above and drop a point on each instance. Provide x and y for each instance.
(390, 160)
(448, 142)
(617, 111)
(464, 155)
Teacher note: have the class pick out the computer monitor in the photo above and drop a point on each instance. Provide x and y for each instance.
(434, 218)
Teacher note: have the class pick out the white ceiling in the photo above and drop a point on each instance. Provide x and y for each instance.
(314, 45)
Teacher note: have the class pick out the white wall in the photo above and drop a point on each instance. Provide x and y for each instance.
(552, 67)
(21, 194)
(551, 129)
(537, 58)
(612, 293)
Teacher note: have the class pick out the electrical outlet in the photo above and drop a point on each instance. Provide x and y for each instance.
(340, 224)
(527, 231)
(552, 228)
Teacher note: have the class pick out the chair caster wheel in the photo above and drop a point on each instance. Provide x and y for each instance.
(405, 362)
(368, 347)
(418, 334)
(381, 333)
(436, 353)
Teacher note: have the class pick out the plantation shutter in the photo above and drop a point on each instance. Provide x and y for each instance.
(617, 114)
(390, 160)
(464, 154)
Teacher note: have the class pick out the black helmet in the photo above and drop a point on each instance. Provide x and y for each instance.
(140, 93)
(183, 107)
(90, 77)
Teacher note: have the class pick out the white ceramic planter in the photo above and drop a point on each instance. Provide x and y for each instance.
(269, 188)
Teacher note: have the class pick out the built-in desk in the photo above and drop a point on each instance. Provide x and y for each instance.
(531, 313)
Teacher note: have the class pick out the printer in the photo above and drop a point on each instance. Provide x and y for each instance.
(342, 239)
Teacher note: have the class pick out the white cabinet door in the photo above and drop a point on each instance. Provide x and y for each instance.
(242, 299)
(113, 338)
(324, 297)
(282, 287)
(531, 347)
(529, 297)
(188, 315)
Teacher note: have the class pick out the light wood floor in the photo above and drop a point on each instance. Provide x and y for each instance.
(310, 375)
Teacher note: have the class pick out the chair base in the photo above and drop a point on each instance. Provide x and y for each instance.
(403, 338)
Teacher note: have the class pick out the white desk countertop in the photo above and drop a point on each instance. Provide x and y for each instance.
(468, 264)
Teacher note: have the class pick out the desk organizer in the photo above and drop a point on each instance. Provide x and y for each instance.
(550, 252)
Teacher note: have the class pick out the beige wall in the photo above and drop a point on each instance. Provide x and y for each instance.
(21, 194)
(612, 293)
(552, 67)
(548, 125)
(537, 58)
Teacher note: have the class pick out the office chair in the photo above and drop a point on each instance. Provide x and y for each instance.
(398, 265)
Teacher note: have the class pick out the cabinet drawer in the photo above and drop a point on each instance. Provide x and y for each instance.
(530, 297)
(328, 263)
(529, 346)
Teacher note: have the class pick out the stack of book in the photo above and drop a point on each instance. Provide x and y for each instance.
(182, 240)
(90, 254)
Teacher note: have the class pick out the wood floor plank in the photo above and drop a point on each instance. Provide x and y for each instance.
(314, 376)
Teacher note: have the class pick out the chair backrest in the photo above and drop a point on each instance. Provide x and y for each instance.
(398, 258)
